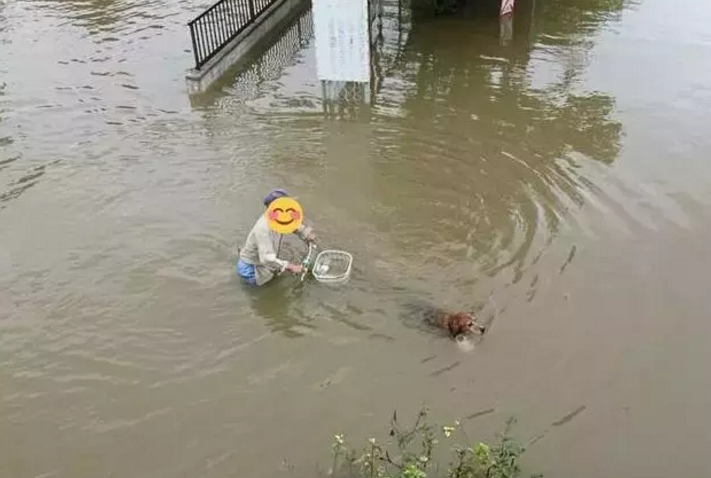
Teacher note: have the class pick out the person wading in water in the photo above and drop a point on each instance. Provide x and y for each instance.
(258, 261)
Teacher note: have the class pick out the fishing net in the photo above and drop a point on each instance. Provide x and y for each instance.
(332, 266)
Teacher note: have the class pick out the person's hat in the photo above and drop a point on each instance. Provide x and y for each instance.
(274, 194)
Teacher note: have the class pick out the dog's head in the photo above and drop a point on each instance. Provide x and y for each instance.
(463, 323)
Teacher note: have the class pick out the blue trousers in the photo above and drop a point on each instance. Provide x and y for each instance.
(246, 272)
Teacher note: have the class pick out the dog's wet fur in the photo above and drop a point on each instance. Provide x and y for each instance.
(455, 324)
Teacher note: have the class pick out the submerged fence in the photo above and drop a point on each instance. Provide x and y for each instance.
(282, 53)
(213, 29)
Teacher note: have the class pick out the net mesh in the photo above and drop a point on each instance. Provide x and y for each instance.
(332, 266)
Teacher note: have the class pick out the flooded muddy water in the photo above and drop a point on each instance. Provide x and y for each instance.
(558, 180)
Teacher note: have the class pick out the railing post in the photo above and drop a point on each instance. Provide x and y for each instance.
(298, 28)
(251, 9)
(195, 50)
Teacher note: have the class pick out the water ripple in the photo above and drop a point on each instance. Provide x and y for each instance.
(477, 172)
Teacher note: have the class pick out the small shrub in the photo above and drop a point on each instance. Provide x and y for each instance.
(409, 453)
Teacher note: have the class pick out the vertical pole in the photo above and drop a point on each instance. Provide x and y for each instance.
(222, 19)
(323, 95)
(532, 33)
(370, 43)
(251, 10)
(381, 9)
(210, 26)
(298, 26)
(399, 24)
(230, 17)
(204, 38)
(195, 50)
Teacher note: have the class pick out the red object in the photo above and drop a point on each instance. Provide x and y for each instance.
(507, 7)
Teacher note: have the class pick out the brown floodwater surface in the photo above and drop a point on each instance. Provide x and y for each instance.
(557, 180)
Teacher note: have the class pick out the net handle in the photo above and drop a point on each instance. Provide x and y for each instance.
(306, 263)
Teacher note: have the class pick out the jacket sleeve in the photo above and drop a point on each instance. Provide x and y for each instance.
(304, 231)
(267, 255)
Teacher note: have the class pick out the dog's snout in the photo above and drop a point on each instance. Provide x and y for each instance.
(478, 327)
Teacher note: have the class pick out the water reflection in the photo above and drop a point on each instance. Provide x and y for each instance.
(16, 188)
(12, 189)
(260, 82)
(568, 23)
(468, 160)
(489, 158)
(346, 100)
(103, 16)
(494, 155)
(272, 303)
(243, 83)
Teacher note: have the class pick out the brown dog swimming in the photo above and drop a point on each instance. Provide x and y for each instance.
(458, 323)
(454, 323)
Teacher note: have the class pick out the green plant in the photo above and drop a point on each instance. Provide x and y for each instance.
(410, 453)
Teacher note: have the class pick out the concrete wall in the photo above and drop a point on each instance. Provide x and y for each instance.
(254, 36)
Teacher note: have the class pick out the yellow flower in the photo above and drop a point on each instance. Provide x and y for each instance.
(339, 439)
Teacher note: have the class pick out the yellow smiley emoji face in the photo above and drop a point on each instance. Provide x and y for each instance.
(284, 215)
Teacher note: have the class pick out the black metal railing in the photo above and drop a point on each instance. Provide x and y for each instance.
(213, 29)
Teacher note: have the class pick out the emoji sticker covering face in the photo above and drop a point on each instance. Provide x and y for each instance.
(284, 215)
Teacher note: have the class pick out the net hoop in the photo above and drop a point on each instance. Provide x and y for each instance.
(332, 266)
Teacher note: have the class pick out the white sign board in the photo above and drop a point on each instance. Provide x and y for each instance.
(342, 40)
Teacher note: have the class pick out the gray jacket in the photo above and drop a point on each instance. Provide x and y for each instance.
(261, 247)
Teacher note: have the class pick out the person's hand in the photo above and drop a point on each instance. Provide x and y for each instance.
(295, 268)
(309, 235)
